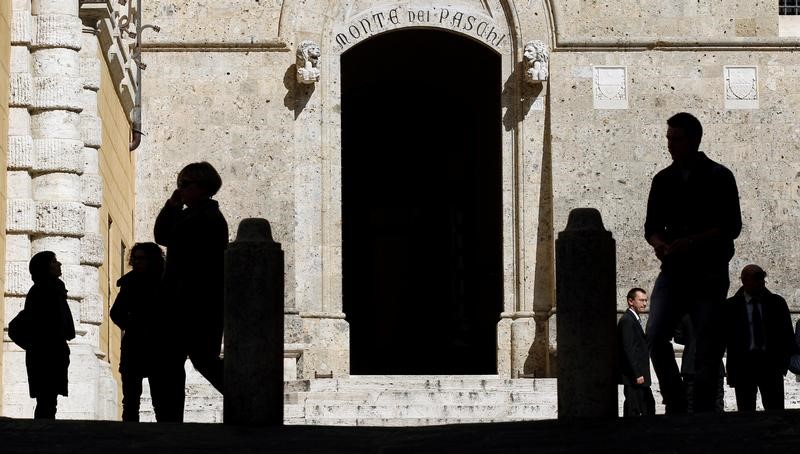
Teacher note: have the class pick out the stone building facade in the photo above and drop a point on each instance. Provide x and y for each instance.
(590, 134)
(414, 158)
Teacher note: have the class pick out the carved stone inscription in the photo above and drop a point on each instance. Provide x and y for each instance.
(370, 23)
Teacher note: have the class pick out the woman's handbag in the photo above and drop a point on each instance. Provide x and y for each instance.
(19, 330)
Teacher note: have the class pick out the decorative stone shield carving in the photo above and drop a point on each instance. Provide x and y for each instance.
(741, 87)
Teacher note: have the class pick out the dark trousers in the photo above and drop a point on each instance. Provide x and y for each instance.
(167, 385)
(168, 382)
(700, 294)
(758, 375)
(131, 396)
(719, 403)
(204, 351)
(639, 401)
(46, 407)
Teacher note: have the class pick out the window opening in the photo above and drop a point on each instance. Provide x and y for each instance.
(789, 7)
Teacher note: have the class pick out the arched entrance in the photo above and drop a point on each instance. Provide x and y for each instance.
(421, 203)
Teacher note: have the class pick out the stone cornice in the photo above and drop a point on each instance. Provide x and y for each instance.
(272, 45)
(588, 44)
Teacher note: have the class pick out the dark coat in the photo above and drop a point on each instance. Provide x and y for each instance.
(135, 311)
(196, 239)
(778, 334)
(47, 358)
(633, 353)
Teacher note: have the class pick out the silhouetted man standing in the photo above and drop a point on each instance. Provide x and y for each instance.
(693, 216)
(760, 342)
(635, 360)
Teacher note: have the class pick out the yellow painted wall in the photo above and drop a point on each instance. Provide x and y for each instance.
(5, 64)
(116, 214)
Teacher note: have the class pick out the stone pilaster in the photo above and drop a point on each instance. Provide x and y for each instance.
(320, 330)
(92, 247)
(91, 193)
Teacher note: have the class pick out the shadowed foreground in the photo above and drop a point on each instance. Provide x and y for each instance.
(731, 432)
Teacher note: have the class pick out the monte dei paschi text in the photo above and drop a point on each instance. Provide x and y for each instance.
(372, 23)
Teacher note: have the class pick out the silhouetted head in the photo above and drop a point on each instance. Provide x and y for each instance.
(198, 181)
(637, 300)
(44, 265)
(684, 134)
(147, 258)
(753, 279)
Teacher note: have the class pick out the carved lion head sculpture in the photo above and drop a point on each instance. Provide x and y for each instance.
(308, 52)
(535, 51)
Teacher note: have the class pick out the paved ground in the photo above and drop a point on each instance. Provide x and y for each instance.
(728, 433)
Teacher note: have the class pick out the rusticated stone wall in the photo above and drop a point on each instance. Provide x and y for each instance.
(55, 192)
(5, 57)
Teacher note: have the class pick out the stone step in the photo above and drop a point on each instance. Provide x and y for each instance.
(388, 422)
(414, 400)
(401, 411)
(422, 396)
(471, 383)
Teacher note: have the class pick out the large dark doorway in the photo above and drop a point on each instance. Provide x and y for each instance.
(421, 203)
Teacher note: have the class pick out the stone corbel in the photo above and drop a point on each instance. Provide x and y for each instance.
(308, 54)
(112, 21)
(536, 57)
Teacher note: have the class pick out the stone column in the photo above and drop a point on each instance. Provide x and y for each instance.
(585, 295)
(254, 286)
(20, 207)
(57, 145)
(58, 188)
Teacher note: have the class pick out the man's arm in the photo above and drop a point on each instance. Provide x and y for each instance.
(120, 310)
(731, 215)
(785, 331)
(654, 223)
(167, 218)
(730, 324)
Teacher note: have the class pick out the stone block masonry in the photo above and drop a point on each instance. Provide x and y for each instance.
(53, 141)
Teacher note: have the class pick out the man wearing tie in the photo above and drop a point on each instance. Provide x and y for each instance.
(635, 358)
(759, 341)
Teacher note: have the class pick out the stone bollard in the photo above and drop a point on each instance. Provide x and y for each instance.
(254, 327)
(586, 318)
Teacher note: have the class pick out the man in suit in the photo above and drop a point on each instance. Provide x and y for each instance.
(635, 357)
(759, 340)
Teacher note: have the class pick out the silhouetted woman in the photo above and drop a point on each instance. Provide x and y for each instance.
(47, 357)
(135, 311)
(196, 234)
